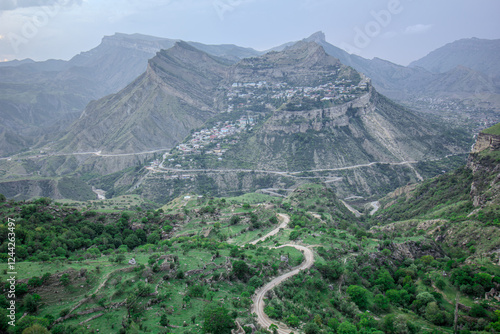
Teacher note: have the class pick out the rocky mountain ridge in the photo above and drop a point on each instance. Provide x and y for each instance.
(468, 85)
(38, 100)
(155, 111)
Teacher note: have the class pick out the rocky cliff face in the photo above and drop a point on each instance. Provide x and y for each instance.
(484, 161)
(369, 128)
(415, 250)
(486, 141)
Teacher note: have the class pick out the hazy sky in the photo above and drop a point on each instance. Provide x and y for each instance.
(396, 30)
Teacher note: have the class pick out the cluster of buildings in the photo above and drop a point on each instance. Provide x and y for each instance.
(243, 95)
(201, 139)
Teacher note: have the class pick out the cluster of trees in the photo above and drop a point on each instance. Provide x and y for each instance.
(376, 285)
(46, 231)
(446, 189)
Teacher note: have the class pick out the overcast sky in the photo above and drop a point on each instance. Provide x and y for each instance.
(396, 30)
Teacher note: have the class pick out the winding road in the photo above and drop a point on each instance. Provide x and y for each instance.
(258, 299)
(285, 220)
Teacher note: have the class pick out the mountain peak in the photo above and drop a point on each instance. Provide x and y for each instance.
(481, 55)
(317, 37)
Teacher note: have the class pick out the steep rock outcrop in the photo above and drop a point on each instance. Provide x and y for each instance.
(415, 250)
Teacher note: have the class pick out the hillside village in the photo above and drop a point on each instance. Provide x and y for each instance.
(261, 95)
(207, 141)
(200, 139)
(252, 99)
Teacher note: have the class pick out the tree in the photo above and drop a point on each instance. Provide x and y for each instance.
(382, 302)
(29, 321)
(385, 280)
(4, 321)
(164, 320)
(240, 269)
(359, 295)
(347, 328)
(333, 323)
(388, 325)
(427, 259)
(36, 329)
(132, 241)
(120, 258)
(434, 314)
(234, 220)
(216, 320)
(292, 321)
(311, 328)
(31, 303)
(496, 325)
(366, 322)
(196, 291)
(255, 281)
(400, 325)
(60, 251)
(441, 284)
(331, 270)
(153, 238)
(477, 311)
(64, 279)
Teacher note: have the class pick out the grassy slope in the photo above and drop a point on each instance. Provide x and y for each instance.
(494, 130)
(335, 237)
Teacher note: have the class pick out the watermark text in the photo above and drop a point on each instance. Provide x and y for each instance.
(12, 274)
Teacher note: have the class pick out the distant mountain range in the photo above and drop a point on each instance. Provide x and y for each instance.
(183, 87)
(301, 106)
(430, 77)
(288, 111)
(40, 99)
(480, 55)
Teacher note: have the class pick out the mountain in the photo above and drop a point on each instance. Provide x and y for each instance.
(481, 55)
(183, 87)
(38, 99)
(300, 137)
(473, 92)
(287, 112)
(156, 110)
(458, 209)
(16, 62)
(471, 191)
(296, 115)
(290, 111)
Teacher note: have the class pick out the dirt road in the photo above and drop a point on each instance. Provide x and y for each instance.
(285, 219)
(258, 298)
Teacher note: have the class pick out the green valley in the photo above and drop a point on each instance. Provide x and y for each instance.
(424, 263)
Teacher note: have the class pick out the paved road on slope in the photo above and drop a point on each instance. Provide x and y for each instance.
(96, 153)
(258, 298)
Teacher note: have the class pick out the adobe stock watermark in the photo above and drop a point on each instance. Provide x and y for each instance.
(363, 36)
(11, 271)
(38, 20)
(224, 6)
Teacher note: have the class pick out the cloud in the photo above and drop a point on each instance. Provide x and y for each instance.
(417, 29)
(223, 6)
(16, 4)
